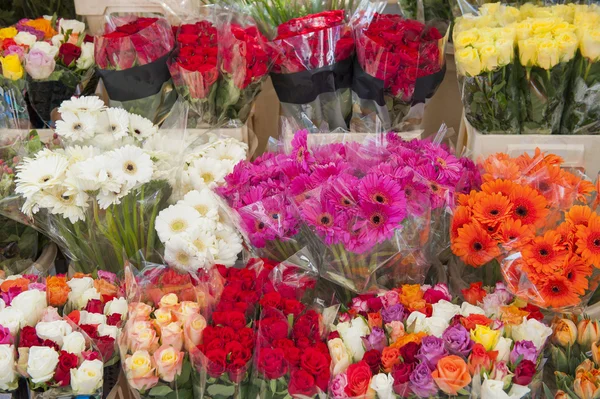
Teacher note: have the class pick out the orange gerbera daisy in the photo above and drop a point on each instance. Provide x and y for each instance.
(550, 182)
(500, 167)
(474, 245)
(588, 241)
(578, 215)
(558, 292)
(492, 209)
(462, 216)
(504, 187)
(577, 272)
(545, 254)
(567, 234)
(514, 234)
(470, 199)
(528, 205)
(597, 200)
(584, 188)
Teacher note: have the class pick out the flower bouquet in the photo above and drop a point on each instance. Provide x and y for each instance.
(132, 63)
(448, 351)
(400, 64)
(13, 107)
(96, 202)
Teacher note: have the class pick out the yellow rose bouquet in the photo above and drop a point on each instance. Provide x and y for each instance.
(487, 78)
(582, 109)
(547, 48)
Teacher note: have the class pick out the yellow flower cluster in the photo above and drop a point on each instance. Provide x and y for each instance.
(544, 36)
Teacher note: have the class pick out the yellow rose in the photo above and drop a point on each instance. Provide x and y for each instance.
(506, 51)
(489, 57)
(528, 51)
(509, 15)
(485, 336)
(163, 316)
(169, 300)
(168, 362)
(11, 67)
(185, 310)
(562, 27)
(340, 358)
(590, 44)
(542, 26)
(489, 8)
(8, 33)
(567, 44)
(548, 54)
(564, 12)
(466, 38)
(524, 29)
(468, 62)
(192, 331)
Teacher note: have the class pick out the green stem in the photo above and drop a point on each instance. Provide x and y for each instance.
(142, 225)
(151, 232)
(114, 243)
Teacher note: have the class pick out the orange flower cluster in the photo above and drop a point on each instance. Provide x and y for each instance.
(57, 290)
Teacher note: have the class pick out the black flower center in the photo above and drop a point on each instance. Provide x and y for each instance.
(275, 216)
(597, 242)
(544, 252)
(137, 131)
(477, 246)
(494, 212)
(376, 219)
(521, 211)
(325, 220)
(261, 225)
(130, 167)
(380, 198)
(555, 289)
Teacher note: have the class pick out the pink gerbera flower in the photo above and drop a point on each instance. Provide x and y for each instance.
(342, 193)
(381, 190)
(323, 217)
(447, 165)
(380, 222)
(300, 149)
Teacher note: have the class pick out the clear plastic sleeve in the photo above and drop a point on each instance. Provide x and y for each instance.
(400, 64)
(581, 114)
(13, 107)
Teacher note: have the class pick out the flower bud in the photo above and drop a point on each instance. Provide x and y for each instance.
(559, 358)
(588, 332)
(565, 333)
(596, 353)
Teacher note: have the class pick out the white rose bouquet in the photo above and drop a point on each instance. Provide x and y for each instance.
(98, 196)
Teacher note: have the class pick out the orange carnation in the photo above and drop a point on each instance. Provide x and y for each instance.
(57, 290)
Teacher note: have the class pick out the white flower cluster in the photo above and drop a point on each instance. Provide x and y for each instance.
(208, 164)
(87, 121)
(197, 234)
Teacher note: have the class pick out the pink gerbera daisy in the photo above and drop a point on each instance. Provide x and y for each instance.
(379, 221)
(447, 165)
(342, 193)
(323, 217)
(300, 149)
(381, 190)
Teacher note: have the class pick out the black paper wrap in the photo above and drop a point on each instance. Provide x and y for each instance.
(43, 97)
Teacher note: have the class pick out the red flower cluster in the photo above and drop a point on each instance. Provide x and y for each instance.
(244, 55)
(68, 53)
(136, 43)
(312, 42)
(398, 51)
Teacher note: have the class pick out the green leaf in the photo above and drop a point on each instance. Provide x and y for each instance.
(498, 87)
(160, 390)
(184, 376)
(221, 390)
(273, 385)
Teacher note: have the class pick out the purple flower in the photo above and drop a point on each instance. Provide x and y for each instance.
(457, 340)
(525, 350)
(108, 276)
(421, 382)
(21, 27)
(376, 340)
(431, 351)
(393, 313)
(18, 50)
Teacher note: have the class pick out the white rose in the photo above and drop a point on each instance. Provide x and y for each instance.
(105, 330)
(532, 330)
(89, 294)
(492, 389)
(445, 310)
(55, 331)
(74, 343)
(503, 347)
(87, 379)
(25, 39)
(340, 359)
(86, 59)
(41, 363)
(12, 319)
(414, 322)
(57, 40)
(351, 333)
(73, 25)
(86, 317)
(78, 287)
(117, 305)
(8, 375)
(434, 326)
(2, 304)
(32, 305)
(383, 384)
(46, 48)
(467, 309)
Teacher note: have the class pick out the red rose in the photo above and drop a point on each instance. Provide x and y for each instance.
(307, 326)
(474, 320)
(524, 372)
(302, 383)
(128, 29)
(216, 343)
(230, 294)
(28, 337)
(272, 363)
(303, 342)
(534, 312)
(322, 380)
(373, 359)
(209, 333)
(106, 346)
(51, 344)
(409, 352)
(95, 306)
(475, 293)
(236, 351)
(401, 372)
(217, 362)
(90, 330)
(374, 304)
(272, 300)
(480, 359)
(6, 43)
(251, 297)
(237, 370)
(68, 53)
(292, 306)
(359, 377)
(90, 355)
(186, 39)
(88, 39)
(240, 307)
(227, 334)
(246, 337)
(273, 328)
(314, 361)
(66, 362)
(114, 319)
(433, 296)
(233, 319)
(333, 335)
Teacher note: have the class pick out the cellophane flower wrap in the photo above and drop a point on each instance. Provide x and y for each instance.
(308, 47)
(426, 10)
(413, 341)
(13, 107)
(98, 196)
(400, 64)
(222, 356)
(135, 47)
(528, 220)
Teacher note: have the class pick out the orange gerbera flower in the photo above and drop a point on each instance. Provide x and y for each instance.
(545, 254)
(558, 292)
(500, 166)
(578, 215)
(474, 245)
(504, 187)
(514, 234)
(577, 272)
(584, 188)
(588, 241)
(550, 182)
(528, 205)
(462, 216)
(492, 209)
(567, 234)
(597, 200)
(470, 199)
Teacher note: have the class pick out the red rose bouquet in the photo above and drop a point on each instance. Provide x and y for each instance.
(132, 62)
(400, 64)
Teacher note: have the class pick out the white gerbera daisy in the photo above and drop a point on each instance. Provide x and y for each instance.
(107, 198)
(116, 122)
(76, 127)
(78, 153)
(65, 201)
(206, 173)
(230, 152)
(131, 164)
(140, 127)
(93, 174)
(229, 245)
(181, 255)
(40, 174)
(85, 104)
(175, 220)
(204, 202)
(205, 243)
